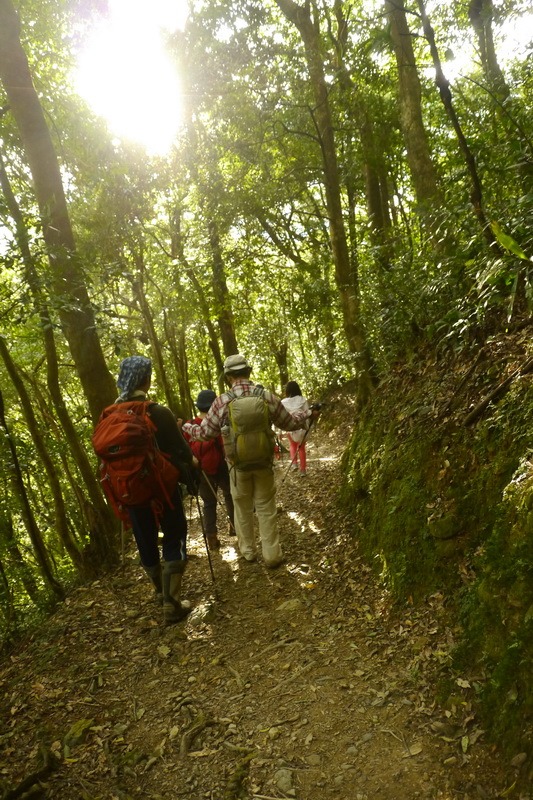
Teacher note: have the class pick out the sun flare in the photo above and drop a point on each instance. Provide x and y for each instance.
(126, 75)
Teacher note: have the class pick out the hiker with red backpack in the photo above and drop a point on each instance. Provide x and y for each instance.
(244, 416)
(214, 472)
(143, 459)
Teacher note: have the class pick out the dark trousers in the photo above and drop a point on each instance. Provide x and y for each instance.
(218, 481)
(173, 524)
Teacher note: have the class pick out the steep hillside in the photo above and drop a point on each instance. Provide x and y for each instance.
(439, 479)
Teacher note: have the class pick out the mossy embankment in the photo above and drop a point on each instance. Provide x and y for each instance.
(440, 489)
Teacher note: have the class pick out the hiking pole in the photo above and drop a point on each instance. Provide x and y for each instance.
(217, 500)
(281, 447)
(122, 544)
(293, 460)
(315, 406)
(205, 539)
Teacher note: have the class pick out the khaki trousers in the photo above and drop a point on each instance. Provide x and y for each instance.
(256, 489)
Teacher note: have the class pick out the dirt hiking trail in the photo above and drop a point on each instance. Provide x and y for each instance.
(302, 682)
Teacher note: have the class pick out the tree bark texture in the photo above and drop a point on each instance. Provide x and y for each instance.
(15, 558)
(157, 351)
(223, 307)
(207, 189)
(345, 268)
(373, 167)
(98, 515)
(281, 354)
(185, 404)
(30, 522)
(178, 253)
(76, 314)
(423, 172)
(481, 14)
(443, 85)
(61, 522)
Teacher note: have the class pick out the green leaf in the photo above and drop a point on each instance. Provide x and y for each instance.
(507, 241)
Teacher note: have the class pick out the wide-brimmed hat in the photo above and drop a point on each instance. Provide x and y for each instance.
(235, 363)
(204, 399)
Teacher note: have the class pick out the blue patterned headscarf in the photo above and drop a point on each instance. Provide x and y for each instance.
(134, 371)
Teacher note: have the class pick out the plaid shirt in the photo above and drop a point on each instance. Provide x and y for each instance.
(217, 415)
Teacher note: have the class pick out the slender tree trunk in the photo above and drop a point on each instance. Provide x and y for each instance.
(75, 309)
(97, 520)
(157, 351)
(280, 351)
(208, 189)
(16, 559)
(42, 452)
(481, 14)
(27, 514)
(443, 85)
(346, 276)
(178, 252)
(101, 524)
(423, 173)
(183, 368)
(223, 308)
(186, 405)
(373, 161)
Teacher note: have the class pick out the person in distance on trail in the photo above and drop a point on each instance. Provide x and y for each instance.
(293, 402)
(166, 574)
(249, 451)
(214, 473)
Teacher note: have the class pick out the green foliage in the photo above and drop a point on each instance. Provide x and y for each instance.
(443, 507)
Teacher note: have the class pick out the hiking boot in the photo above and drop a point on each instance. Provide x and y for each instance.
(174, 608)
(275, 564)
(303, 473)
(250, 558)
(154, 573)
(213, 542)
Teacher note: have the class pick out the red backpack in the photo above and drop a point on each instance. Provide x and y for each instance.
(133, 471)
(210, 454)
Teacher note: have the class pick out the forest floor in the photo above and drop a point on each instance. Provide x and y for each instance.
(302, 682)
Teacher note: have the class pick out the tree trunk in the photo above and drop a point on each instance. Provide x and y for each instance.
(373, 162)
(223, 309)
(178, 253)
(186, 405)
(423, 172)
(16, 559)
(443, 85)
(208, 187)
(76, 313)
(280, 351)
(30, 522)
(99, 518)
(61, 523)
(481, 13)
(146, 313)
(346, 276)
(183, 369)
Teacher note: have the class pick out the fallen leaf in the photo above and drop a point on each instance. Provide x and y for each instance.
(413, 750)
